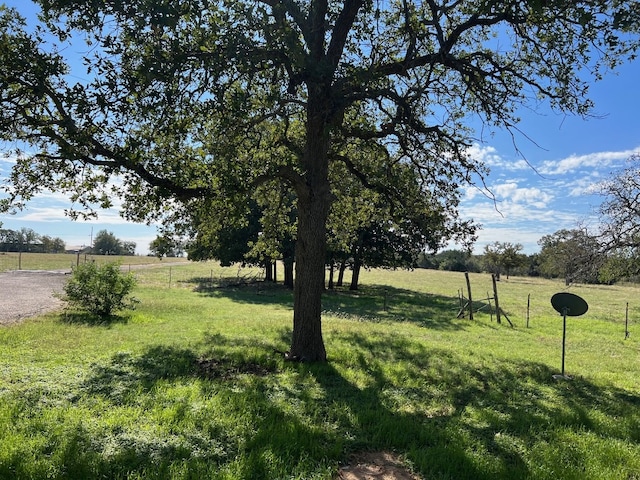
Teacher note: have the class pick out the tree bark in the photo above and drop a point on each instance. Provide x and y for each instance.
(268, 271)
(288, 272)
(331, 272)
(343, 268)
(307, 343)
(314, 201)
(355, 277)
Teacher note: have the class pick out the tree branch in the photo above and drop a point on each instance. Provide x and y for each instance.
(341, 30)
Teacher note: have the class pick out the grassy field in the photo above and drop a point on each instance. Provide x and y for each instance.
(60, 261)
(189, 386)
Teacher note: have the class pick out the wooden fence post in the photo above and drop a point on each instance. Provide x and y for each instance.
(466, 276)
(495, 297)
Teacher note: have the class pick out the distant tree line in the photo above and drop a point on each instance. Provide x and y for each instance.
(572, 255)
(365, 232)
(106, 243)
(27, 240)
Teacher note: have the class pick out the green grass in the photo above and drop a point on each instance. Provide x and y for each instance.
(55, 261)
(189, 386)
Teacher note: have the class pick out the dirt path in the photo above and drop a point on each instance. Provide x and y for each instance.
(25, 294)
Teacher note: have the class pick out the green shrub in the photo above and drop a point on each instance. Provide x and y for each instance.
(100, 289)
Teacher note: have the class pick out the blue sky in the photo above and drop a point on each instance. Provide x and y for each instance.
(543, 186)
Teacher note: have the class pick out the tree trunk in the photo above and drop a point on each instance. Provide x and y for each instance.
(343, 267)
(314, 201)
(288, 272)
(307, 343)
(268, 271)
(331, 271)
(355, 277)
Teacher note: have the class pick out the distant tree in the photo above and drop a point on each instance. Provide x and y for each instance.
(214, 235)
(456, 261)
(276, 239)
(52, 245)
(533, 265)
(570, 254)
(620, 264)
(426, 260)
(372, 229)
(128, 248)
(164, 246)
(27, 238)
(503, 257)
(620, 222)
(9, 240)
(106, 243)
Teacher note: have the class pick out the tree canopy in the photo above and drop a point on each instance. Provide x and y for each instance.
(570, 254)
(204, 99)
(503, 256)
(106, 243)
(27, 240)
(620, 215)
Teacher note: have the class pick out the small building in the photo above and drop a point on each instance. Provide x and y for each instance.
(77, 249)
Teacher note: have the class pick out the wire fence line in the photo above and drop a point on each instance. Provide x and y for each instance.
(66, 261)
(149, 271)
(201, 276)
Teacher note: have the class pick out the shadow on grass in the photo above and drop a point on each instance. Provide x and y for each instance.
(372, 303)
(382, 303)
(80, 317)
(239, 408)
(453, 419)
(251, 292)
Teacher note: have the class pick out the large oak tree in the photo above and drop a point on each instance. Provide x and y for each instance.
(619, 236)
(177, 96)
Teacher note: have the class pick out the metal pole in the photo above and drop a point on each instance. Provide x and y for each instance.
(564, 335)
(626, 323)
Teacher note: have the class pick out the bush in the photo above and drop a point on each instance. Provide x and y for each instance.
(100, 290)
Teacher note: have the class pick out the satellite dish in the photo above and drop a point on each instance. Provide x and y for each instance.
(569, 304)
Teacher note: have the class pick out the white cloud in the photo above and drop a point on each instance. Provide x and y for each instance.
(527, 237)
(510, 214)
(56, 214)
(489, 156)
(512, 193)
(574, 163)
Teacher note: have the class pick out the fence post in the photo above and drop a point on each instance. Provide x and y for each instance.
(626, 323)
(495, 297)
(466, 276)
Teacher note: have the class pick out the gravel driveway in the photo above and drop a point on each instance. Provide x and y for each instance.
(27, 293)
